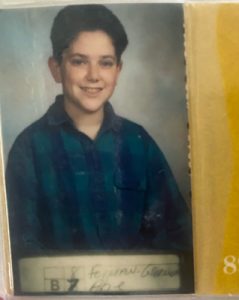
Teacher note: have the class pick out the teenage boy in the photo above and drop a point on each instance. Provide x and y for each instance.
(82, 177)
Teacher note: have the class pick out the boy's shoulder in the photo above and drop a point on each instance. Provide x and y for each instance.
(26, 135)
(131, 127)
(134, 130)
(41, 125)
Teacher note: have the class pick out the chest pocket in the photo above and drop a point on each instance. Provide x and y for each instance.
(129, 181)
(131, 192)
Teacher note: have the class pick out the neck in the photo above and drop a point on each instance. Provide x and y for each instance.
(86, 122)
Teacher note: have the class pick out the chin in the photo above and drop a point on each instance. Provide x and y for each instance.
(93, 107)
(89, 107)
(91, 110)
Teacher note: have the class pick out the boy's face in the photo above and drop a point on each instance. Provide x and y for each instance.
(88, 71)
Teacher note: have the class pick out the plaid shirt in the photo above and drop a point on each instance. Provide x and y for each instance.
(67, 192)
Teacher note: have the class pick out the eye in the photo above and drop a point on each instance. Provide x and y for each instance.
(107, 63)
(78, 61)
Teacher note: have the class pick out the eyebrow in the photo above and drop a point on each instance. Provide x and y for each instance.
(86, 56)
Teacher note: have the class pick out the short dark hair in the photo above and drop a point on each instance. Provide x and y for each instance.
(73, 19)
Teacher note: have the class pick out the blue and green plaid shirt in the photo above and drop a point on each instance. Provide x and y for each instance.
(67, 192)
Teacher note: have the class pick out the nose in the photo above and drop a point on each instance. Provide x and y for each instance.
(93, 73)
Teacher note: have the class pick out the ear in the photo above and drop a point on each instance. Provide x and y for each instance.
(55, 69)
(119, 67)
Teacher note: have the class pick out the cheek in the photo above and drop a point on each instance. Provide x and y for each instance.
(72, 76)
(112, 79)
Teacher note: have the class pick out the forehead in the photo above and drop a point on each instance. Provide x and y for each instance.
(95, 43)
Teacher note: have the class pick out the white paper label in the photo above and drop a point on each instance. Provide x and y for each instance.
(100, 273)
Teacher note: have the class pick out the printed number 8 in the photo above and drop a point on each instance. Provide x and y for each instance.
(230, 266)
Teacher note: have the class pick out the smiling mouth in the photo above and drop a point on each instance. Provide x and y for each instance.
(91, 90)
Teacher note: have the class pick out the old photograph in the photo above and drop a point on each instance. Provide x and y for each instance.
(95, 147)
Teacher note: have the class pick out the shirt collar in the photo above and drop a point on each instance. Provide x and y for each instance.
(57, 115)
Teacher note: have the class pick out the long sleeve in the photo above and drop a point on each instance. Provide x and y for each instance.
(167, 217)
(22, 198)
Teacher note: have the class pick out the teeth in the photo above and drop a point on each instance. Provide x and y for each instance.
(92, 90)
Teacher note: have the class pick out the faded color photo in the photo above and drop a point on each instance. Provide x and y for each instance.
(94, 128)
